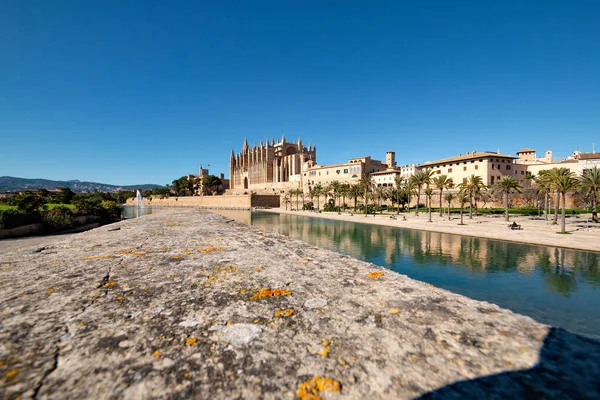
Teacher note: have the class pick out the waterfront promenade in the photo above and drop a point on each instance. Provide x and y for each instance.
(581, 234)
(185, 303)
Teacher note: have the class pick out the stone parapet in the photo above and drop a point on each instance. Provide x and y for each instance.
(188, 304)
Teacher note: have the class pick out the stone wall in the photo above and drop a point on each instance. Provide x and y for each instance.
(231, 202)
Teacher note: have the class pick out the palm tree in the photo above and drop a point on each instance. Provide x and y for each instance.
(297, 193)
(286, 200)
(472, 186)
(449, 197)
(428, 193)
(442, 182)
(553, 177)
(318, 191)
(355, 192)
(506, 185)
(544, 186)
(566, 183)
(590, 183)
(398, 180)
(335, 188)
(409, 190)
(366, 185)
(344, 191)
(462, 199)
(421, 178)
(290, 194)
(312, 193)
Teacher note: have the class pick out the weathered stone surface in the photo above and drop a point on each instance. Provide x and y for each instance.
(171, 306)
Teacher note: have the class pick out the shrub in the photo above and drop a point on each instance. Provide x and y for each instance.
(112, 211)
(88, 206)
(58, 219)
(13, 218)
(330, 207)
(308, 206)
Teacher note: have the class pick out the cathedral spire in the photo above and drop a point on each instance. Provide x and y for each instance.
(245, 144)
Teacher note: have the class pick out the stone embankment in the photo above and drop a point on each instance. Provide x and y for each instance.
(188, 304)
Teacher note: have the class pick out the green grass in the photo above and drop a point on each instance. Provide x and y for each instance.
(54, 205)
(50, 206)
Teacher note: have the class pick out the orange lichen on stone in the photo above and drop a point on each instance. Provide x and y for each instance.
(186, 251)
(96, 257)
(119, 298)
(310, 389)
(242, 290)
(156, 353)
(324, 352)
(110, 284)
(51, 290)
(211, 249)
(258, 269)
(394, 310)
(191, 341)
(375, 275)
(264, 292)
(164, 248)
(213, 278)
(176, 256)
(12, 373)
(285, 313)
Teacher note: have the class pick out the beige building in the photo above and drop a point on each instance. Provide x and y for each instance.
(349, 172)
(488, 165)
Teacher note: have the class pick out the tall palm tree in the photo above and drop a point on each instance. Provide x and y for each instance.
(355, 192)
(449, 197)
(428, 193)
(420, 179)
(297, 193)
(566, 183)
(442, 182)
(409, 190)
(505, 186)
(462, 199)
(366, 185)
(544, 186)
(318, 191)
(590, 183)
(336, 186)
(291, 193)
(286, 200)
(471, 187)
(380, 193)
(553, 177)
(398, 180)
(344, 192)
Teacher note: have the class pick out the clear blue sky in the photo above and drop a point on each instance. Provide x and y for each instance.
(131, 92)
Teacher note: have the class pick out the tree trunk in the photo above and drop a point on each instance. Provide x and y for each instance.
(564, 200)
(398, 201)
(354, 204)
(470, 206)
(461, 213)
(546, 204)
(506, 206)
(556, 208)
(418, 199)
(441, 211)
(366, 204)
(430, 209)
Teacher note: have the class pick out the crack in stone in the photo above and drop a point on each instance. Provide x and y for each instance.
(52, 369)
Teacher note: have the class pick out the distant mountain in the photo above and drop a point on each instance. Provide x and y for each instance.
(11, 184)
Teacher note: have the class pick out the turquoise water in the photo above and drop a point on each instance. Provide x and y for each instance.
(556, 286)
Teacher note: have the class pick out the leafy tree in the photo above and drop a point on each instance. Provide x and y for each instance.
(211, 183)
(28, 202)
(65, 196)
(420, 179)
(505, 186)
(183, 186)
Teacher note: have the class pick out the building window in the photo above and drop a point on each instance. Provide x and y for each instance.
(493, 166)
(477, 167)
(337, 171)
(508, 167)
(449, 170)
(345, 171)
(472, 161)
(464, 168)
(492, 179)
(464, 180)
(522, 173)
